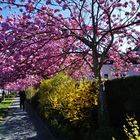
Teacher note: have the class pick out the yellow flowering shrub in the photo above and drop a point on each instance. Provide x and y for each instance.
(79, 101)
(51, 94)
(71, 99)
(133, 132)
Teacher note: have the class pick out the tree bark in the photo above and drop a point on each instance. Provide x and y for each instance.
(103, 117)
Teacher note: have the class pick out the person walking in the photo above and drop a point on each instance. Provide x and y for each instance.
(3, 95)
(22, 99)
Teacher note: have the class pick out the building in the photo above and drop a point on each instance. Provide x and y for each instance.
(107, 72)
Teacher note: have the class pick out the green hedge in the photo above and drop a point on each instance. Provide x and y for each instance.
(123, 97)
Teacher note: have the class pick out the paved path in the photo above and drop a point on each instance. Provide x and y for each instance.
(19, 125)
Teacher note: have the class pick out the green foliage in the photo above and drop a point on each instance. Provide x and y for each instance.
(123, 96)
(105, 133)
(123, 87)
(4, 106)
(32, 95)
(30, 92)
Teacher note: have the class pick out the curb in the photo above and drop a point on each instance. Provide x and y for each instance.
(33, 113)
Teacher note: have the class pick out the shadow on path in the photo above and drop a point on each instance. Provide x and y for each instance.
(19, 125)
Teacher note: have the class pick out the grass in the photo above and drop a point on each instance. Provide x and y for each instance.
(4, 106)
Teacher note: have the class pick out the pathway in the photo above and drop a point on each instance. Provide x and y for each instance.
(19, 125)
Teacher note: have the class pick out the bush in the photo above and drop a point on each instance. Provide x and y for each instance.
(71, 107)
(123, 97)
(32, 95)
(132, 129)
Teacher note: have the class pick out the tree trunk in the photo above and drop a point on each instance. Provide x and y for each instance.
(103, 117)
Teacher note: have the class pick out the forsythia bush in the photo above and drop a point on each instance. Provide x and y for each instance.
(71, 99)
(68, 104)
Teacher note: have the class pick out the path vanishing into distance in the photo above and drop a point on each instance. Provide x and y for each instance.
(20, 125)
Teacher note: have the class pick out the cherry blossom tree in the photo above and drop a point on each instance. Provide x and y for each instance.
(45, 37)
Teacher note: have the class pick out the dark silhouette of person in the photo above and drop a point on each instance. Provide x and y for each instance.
(22, 99)
(3, 95)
